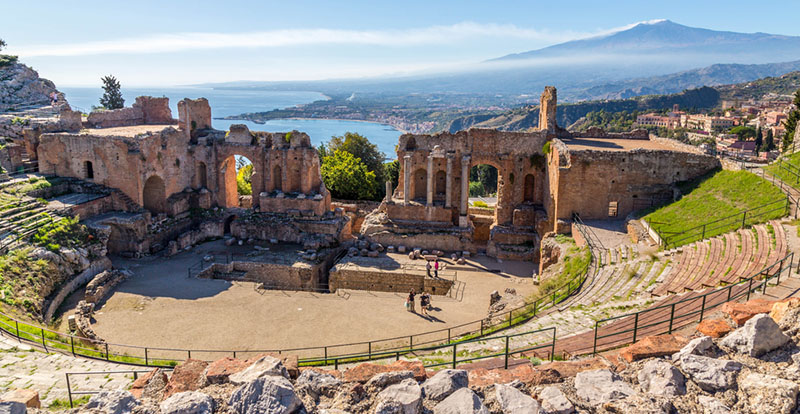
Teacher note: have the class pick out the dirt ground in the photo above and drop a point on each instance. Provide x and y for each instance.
(161, 307)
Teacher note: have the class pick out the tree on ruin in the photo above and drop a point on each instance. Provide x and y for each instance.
(769, 142)
(347, 177)
(759, 140)
(244, 180)
(361, 148)
(112, 93)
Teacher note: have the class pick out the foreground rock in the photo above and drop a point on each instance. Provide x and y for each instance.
(264, 366)
(405, 398)
(711, 374)
(654, 346)
(659, 377)
(715, 328)
(601, 386)
(188, 376)
(12, 407)
(112, 402)
(514, 401)
(758, 336)
(768, 394)
(742, 312)
(555, 402)
(265, 395)
(189, 402)
(444, 383)
(463, 401)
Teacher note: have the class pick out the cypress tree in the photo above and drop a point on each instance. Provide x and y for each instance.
(112, 95)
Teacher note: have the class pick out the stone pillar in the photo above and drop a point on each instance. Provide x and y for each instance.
(429, 188)
(388, 197)
(448, 188)
(465, 161)
(406, 179)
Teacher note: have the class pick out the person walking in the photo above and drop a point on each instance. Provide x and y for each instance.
(436, 268)
(428, 267)
(410, 301)
(424, 302)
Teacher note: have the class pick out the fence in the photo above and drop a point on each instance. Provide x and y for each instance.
(105, 374)
(791, 169)
(673, 316)
(774, 209)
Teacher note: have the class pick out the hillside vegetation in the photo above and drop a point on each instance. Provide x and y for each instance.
(721, 198)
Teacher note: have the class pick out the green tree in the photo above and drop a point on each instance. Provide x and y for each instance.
(347, 177)
(112, 94)
(2, 44)
(360, 147)
(744, 132)
(769, 142)
(486, 175)
(791, 122)
(244, 180)
(391, 172)
(759, 140)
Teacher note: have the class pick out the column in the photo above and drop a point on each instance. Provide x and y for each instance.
(448, 189)
(465, 184)
(429, 188)
(406, 179)
(388, 197)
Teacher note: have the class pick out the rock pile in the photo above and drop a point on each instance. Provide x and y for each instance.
(21, 86)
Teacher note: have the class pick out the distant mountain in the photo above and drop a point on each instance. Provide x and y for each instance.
(664, 37)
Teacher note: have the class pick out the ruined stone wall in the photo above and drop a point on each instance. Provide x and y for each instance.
(295, 276)
(379, 281)
(589, 181)
(147, 110)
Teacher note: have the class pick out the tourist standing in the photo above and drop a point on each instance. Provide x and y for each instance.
(410, 301)
(424, 302)
(428, 267)
(436, 268)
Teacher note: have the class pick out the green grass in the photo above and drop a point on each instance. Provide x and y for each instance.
(59, 404)
(720, 195)
(787, 172)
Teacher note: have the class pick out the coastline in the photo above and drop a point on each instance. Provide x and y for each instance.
(317, 119)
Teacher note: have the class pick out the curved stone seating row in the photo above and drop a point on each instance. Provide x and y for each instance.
(724, 259)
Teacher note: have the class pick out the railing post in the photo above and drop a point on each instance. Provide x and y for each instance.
(506, 356)
(69, 391)
(536, 304)
(749, 288)
(704, 232)
(106, 351)
(336, 364)
(635, 326)
(509, 317)
(411, 343)
(454, 356)
(16, 323)
(553, 346)
(189, 353)
(594, 345)
(72, 344)
(744, 216)
(703, 308)
(481, 327)
(671, 318)
(448, 335)
(369, 349)
(326, 355)
(730, 287)
(43, 343)
(147, 363)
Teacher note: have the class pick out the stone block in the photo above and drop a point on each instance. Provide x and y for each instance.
(654, 346)
(25, 396)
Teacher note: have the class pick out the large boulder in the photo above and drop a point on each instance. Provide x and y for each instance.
(554, 401)
(787, 315)
(384, 379)
(404, 398)
(768, 394)
(319, 383)
(444, 383)
(742, 312)
(151, 385)
(188, 376)
(26, 396)
(514, 401)
(654, 346)
(12, 407)
(659, 377)
(758, 336)
(269, 394)
(264, 366)
(112, 402)
(703, 346)
(715, 328)
(188, 402)
(463, 401)
(711, 374)
(601, 386)
(220, 370)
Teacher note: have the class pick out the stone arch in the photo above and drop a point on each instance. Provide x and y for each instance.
(440, 183)
(154, 194)
(528, 190)
(229, 191)
(411, 144)
(420, 183)
(201, 176)
(277, 178)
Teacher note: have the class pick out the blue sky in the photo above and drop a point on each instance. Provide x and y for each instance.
(159, 43)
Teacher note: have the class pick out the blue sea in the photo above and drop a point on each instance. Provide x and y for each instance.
(234, 102)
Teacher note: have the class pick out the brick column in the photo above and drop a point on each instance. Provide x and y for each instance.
(448, 189)
(406, 179)
(465, 161)
(429, 188)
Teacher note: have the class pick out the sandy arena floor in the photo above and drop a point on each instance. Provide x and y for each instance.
(161, 307)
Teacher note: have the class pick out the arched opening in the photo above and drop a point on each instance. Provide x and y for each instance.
(277, 178)
(440, 183)
(228, 221)
(528, 191)
(154, 195)
(483, 182)
(237, 179)
(201, 176)
(89, 170)
(411, 144)
(420, 184)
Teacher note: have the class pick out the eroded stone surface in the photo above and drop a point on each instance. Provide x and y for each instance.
(463, 401)
(659, 377)
(769, 394)
(654, 346)
(189, 402)
(514, 401)
(265, 395)
(444, 383)
(711, 374)
(758, 336)
(601, 386)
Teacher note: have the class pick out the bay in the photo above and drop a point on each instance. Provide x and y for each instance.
(226, 102)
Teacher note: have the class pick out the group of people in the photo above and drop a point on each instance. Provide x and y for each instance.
(424, 302)
(435, 268)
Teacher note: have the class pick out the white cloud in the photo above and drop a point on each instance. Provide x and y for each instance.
(174, 42)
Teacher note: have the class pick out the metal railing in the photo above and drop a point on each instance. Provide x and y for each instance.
(106, 374)
(716, 227)
(682, 312)
(790, 168)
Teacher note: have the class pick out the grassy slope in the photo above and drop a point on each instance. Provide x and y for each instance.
(714, 197)
(783, 174)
